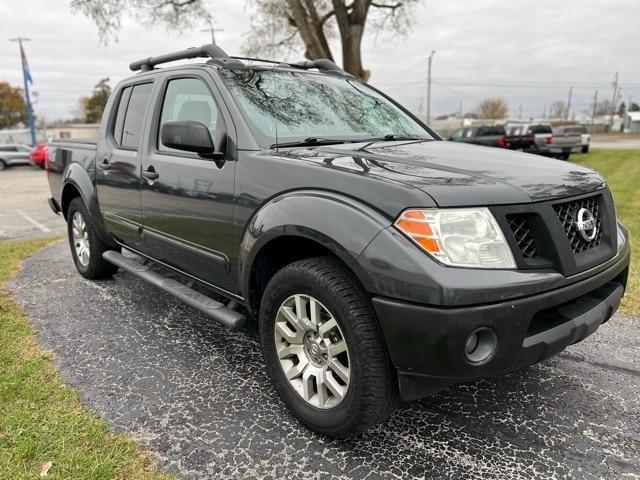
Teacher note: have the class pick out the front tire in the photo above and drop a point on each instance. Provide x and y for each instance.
(86, 246)
(323, 350)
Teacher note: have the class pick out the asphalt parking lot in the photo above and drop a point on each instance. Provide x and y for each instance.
(24, 211)
(197, 397)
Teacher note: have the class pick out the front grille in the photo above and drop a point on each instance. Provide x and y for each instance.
(568, 216)
(523, 235)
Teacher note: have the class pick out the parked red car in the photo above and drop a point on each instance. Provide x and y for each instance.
(39, 154)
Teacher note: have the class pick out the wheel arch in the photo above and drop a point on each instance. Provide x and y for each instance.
(304, 224)
(78, 183)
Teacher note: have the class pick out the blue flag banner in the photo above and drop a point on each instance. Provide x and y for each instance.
(25, 66)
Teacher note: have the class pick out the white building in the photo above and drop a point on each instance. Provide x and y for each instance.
(632, 122)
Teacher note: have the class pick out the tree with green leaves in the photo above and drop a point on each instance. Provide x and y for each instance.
(277, 26)
(13, 109)
(92, 107)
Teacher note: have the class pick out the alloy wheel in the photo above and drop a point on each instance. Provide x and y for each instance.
(312, 351)
(80, 236)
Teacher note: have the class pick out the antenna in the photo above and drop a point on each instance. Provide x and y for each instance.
(276, 117)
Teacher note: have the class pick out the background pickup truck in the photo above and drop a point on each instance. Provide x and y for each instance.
(540, 138)
(489, 136)
(377, 262)
(585, 137)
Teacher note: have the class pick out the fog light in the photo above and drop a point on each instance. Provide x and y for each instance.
(480, 345)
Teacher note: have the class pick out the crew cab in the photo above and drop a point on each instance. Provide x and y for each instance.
(487, 135)
(377, 261)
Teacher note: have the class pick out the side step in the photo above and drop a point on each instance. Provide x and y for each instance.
(206, 305)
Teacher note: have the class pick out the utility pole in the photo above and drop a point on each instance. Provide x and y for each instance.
(429, 87)
(213, 31)
(595, 105)
(568, 113)
(615, 94)
(520, 112)
(26, 76)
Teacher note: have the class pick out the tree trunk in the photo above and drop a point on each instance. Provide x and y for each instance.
(351, 26)
(351, 53)
(310, 29)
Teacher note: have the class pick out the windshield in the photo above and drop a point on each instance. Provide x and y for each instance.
(304, 105)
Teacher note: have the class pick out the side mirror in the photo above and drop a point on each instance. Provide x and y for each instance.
(189, 136)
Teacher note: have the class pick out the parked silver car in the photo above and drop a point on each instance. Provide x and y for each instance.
(12, 154)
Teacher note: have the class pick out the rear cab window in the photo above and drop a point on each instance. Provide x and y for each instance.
(130, 116)
(535, 129)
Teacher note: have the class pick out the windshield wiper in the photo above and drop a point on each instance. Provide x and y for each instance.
(395, 136)
(311, 142)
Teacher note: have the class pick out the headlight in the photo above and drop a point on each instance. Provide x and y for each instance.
(461, 237)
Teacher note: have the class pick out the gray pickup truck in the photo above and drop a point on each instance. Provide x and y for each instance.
(541, 139)
(378, 262)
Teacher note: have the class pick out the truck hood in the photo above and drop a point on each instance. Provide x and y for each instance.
(455, 174)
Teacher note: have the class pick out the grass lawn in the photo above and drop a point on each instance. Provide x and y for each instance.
(43, 427)
(621, 168)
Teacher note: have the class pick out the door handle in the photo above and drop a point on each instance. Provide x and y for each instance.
(105, 165)
(150, 173)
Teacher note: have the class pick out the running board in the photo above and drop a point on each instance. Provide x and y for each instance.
(197, 300)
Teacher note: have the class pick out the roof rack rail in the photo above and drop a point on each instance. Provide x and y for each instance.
(321, 64)
(207, 51)
(220, 57)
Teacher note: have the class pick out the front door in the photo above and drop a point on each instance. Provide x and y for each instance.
(188, 206)
(118, 165)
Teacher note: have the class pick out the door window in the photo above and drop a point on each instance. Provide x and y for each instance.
(188, 99)
(134, 118)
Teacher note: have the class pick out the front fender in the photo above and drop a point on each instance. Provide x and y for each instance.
(339, 223)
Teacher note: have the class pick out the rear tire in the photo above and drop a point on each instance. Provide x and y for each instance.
(2, 165)
(585, 149)
(367, 387)
(86, 246)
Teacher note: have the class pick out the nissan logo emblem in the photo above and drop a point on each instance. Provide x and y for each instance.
(586, 224)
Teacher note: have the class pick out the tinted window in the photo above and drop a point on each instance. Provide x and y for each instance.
(189, 99)
(122, 108)
(490, 131)
(540, 129)
(298, 105)
(8, 149)
(575, 130)
(134, 118)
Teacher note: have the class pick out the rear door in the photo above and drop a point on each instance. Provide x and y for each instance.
(188, 205)
(118, 164)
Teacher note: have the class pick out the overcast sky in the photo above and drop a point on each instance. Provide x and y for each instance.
(530, 52)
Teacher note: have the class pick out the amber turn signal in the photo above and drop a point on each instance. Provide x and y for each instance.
(414, 224)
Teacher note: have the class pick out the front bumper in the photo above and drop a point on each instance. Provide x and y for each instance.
(427, 344)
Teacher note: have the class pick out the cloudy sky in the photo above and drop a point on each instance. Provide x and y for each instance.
(528, 51)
